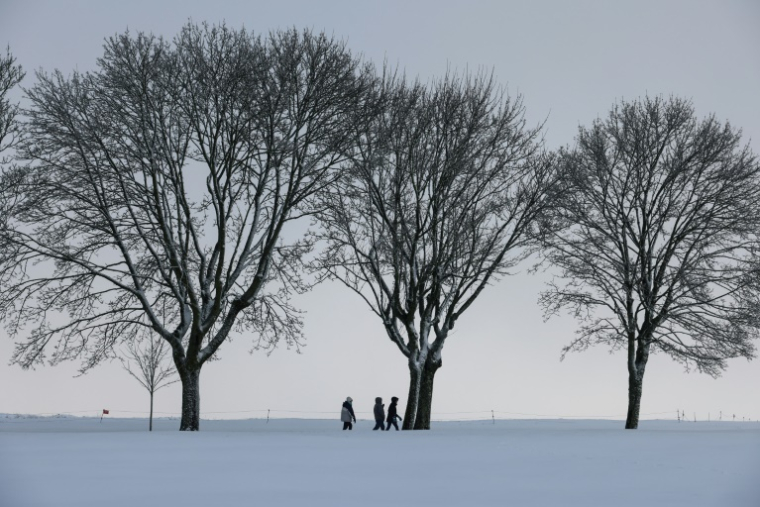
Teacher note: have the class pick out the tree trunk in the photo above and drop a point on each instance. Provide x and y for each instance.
(150, 420)
(425, 404)
(637, 363)
(412, 400)
(191, 401)
(635, 383)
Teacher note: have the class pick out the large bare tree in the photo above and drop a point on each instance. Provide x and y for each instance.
(657, 228)
(439, 201)
(167, 178)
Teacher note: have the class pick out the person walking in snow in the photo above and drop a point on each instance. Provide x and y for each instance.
(393, 414)
(379, 414)
(347, 414)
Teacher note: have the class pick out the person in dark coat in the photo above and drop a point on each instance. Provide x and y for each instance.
(379, 414)
(347, 414)
(393, 414)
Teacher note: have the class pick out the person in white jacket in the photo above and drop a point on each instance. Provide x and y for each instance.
(347, 414)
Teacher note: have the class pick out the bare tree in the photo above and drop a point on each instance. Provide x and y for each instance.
(168, 177)
(440, 201)
(660, 219)
(152, 371)
(11, 75)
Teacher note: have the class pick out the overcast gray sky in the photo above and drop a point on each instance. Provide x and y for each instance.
(571, 60)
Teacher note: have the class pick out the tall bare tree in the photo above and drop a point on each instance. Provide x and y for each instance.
(168, 177)
(147, 364)
(440, 200)
(659, 222)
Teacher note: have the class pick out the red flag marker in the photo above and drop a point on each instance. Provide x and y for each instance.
(105, 412)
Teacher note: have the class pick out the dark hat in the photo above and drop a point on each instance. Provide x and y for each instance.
(394, 399)
(378, 400)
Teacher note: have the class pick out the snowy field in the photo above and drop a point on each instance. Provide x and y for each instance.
(81, 462)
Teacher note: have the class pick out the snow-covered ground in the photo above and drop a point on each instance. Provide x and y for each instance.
(66, 461)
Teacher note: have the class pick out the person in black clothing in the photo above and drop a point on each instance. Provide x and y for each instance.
(393, 414)
(379, 414)
(347, 414)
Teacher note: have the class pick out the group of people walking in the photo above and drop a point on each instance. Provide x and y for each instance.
(348, 416)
